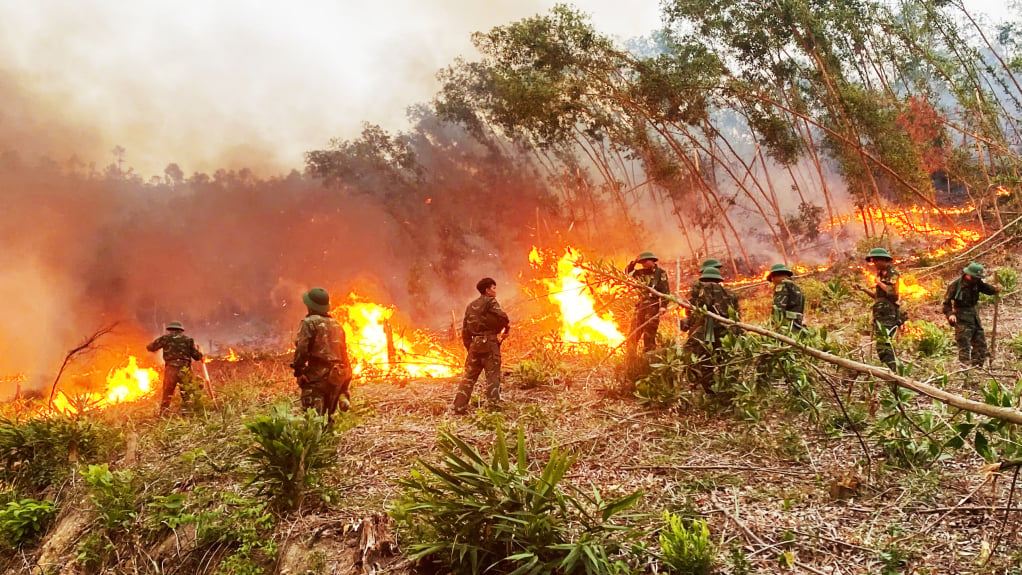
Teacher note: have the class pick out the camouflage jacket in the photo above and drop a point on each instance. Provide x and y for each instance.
(963, 294)
(656, 279)
(178, 349)
(483, 316)
(319, 346)
(889, 279)
(716, 298)
(789, 303)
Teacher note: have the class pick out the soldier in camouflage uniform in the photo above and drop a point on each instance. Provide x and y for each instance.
(483, 330)
(178, 352)
(650, 307)
(887, 316)
(789, 303)
(694, 289)
(705, 333)
(321, 363)
(960, 309)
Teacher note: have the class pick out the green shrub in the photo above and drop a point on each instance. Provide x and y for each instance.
(40, 452)
(498, 516)
(687, 549)
(244, 524)
(1015, 344)
(541, 367)
(289, 454)
(1007, 278)
(928, 338)
(114, 496)
(664, 384)
(22, 520)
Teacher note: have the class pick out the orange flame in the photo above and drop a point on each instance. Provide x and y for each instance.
(904, 222)
(908, 286)
(572, 291)
(370, 349)
(231, 356)
(1002, 191)
(127, 383)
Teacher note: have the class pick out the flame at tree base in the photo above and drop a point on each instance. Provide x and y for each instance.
(123, 384)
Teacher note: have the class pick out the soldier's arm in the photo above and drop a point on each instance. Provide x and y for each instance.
(664, 287)
(985, 288)
(466, 337)
(195, 353)
(504, 321)
(948, 306)
(157, 343)
(301, 348)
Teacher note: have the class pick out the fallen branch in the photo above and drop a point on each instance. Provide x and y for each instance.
(86, 345)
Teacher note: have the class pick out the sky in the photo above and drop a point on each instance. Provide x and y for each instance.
(239, 83)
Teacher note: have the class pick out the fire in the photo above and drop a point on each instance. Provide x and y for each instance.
(1002, 191)
(374, 347)
(904, 222)
(908, 286)
(127, 383)
(572, 291)
(231, 356)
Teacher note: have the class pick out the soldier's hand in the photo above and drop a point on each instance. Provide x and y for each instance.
(952, 320)
(997, 289)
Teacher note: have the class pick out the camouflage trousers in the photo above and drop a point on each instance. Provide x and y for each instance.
(885, 324)
(179, 376)
(645, 323)
(483, 354)
(327, 394)
(969, 336)
(703, 366)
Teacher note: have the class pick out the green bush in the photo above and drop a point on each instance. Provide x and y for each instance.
(40, 452)
(22, 520)
(664, 384)
(114, 496)
(500, 517)
(928, 338)
(244, 524)
(1015, 344)
(290, 453)
(687, 549)
(1007, 278)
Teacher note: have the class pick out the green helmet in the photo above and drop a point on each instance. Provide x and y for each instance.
(878, 253)
(646, 256)
(780, 269)
(175, 326)
(711, 273)
(975, 270)
(317, 300)
(711, 263)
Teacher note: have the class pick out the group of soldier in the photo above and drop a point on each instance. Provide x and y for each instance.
(323, 370)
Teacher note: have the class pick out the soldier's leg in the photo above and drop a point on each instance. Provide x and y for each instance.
(634, 331)
(171, 374)
(979, 343)
(313, 397)
(963, 340)
(491, 363)
(882, 335)
(473, 367)
(652, 324)
(187, 385)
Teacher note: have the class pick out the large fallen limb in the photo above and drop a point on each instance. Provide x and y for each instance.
(1003, 413)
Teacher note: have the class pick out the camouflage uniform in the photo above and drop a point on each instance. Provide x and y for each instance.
(321, 363)
(886, 312)
(484, 322)
(961, 299)
(178, 352)
(789, 304)
(646, 319)
(705, 333)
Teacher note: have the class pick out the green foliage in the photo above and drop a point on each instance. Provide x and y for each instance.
(499, 516)
(22, 520)
(245, 524)
(40, 452)
(835, 293)
(928, 338)
(113, 494)
(687, 548)
(1007, 278)
(805, 225)
(290, 453)
(906, 438)
(543, 367)
(1015, 344)
(664, 384)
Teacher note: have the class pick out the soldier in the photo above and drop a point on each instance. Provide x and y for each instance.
(321, 363)
(650, 307)
(886, 308)
(789, 303)
(696, 287)
(484, 328)
(178, 352)
(960, 310)
(705, 333)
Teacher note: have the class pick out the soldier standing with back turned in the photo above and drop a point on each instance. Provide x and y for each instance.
(482, 331)
(321, 363)
(704, 332)
(960, 309)
(178, 352)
